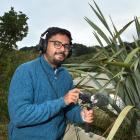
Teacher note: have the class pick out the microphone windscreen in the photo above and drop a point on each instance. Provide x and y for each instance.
(100, 100)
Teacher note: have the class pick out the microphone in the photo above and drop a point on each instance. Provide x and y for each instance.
(99, 100)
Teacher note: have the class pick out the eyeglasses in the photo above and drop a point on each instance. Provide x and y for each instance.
(58, 45)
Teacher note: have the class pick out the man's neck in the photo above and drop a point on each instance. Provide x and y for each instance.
(53, 65)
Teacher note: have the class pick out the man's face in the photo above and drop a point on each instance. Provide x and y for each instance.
(57, 50)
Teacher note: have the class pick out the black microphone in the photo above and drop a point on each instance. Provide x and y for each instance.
(99, 100)
(86, 98)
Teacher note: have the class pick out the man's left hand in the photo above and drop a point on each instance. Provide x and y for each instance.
(87, 115)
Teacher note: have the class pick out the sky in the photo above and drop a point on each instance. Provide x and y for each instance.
(69, 14)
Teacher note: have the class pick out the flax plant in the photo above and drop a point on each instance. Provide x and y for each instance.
(121, 64)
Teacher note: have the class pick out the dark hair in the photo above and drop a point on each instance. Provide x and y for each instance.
(43, 43)
(56, 30)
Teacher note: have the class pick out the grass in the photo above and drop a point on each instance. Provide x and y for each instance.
(3, 131)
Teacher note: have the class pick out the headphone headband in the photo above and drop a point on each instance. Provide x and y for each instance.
(44, 33)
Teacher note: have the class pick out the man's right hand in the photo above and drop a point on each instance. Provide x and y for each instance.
(72, 96)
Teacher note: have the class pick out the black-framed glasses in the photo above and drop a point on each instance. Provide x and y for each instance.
(58, 45)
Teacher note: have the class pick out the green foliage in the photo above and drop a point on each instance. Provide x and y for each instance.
(79, 59)
(3, 107)
(120, 61)
(8, 63)
(13, 28)
(125, 76)
(80, 49)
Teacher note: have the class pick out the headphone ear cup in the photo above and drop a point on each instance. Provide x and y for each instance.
(42, 45)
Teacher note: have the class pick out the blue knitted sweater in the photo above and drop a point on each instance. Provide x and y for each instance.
(36, 105)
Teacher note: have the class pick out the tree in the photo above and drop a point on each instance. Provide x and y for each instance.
(13, 28)
(80, 49)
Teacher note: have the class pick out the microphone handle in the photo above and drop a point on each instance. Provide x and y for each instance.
(88, 126)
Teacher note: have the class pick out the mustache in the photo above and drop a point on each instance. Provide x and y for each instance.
(62, 53)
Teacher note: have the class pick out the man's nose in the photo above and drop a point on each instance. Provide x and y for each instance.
(62, 48)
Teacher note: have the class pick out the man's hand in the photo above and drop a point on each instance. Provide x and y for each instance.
(72, 96)
(87, 115)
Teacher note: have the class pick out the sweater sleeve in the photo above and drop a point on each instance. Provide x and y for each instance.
(22, 110)
(73, 111)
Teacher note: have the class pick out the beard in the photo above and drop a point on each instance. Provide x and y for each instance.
(57, 61)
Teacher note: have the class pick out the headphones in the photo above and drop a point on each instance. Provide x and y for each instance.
(43, 42)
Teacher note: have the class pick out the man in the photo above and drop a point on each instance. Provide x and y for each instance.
(41, 96)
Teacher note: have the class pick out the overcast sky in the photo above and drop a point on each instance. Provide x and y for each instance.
(70, 14)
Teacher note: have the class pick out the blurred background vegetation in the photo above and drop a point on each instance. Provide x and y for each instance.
(119, 61)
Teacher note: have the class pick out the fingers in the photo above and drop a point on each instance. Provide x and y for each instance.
(87, 115)
(72, 96)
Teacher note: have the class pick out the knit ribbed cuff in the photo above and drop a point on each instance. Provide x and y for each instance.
(62, 102)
